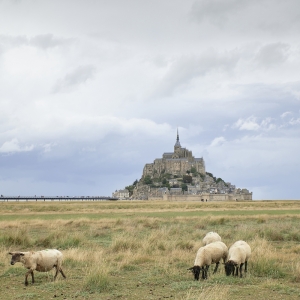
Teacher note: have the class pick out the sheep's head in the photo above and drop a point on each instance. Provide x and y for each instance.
(15, 257)
(229, 267)
(196, 271)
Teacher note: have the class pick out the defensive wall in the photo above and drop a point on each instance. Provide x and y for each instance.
(204, 197)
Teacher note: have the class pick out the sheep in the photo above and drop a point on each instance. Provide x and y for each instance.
(239, 254)
(41, 261)
(211, 237)
(207, 255)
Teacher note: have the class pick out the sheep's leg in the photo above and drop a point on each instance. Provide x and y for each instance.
(246, 266)
(26, 276)
(204, 272)
(62, 273)
(233, 270)
(207, 267)
(216, 268)
(26, 280)
(32, 276)
(241, 270)
(236, 271)
(56, 272)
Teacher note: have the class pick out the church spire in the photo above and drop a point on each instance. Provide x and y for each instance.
(177, 144)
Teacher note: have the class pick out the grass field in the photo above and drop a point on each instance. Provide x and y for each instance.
(142, 250)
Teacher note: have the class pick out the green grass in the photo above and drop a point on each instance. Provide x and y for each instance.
(96, 216)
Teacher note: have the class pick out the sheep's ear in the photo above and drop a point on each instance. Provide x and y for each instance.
(22, 254)
(11, 253)
(192, 268)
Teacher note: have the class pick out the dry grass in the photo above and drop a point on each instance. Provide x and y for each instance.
(136, 256)
(216, 292)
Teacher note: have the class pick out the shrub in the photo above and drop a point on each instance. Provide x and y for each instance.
(187, 178)
(147, 179)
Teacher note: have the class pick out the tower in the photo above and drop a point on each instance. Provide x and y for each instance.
(177, 144)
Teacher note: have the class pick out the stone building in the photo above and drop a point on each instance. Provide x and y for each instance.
(176, 163)
(121, 194)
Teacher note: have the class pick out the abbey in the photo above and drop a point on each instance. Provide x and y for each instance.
(179, 176)
(177, 163)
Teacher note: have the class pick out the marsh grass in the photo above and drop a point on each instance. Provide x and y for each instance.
(143, 250)
(295, 266)
(16, 238)
(265, 260)
(216, 292)
(28, 296)
(97, 280)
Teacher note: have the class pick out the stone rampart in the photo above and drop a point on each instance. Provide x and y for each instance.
(205, 197)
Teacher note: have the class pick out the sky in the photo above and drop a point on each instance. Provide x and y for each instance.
(91, 91)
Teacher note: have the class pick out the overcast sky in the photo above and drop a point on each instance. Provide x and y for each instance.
(92, 90)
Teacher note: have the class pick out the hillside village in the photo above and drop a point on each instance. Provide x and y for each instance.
(179, 176)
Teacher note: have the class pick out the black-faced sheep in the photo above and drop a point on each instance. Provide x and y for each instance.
(238, 255)
(207, 255)
(211, 237)
(41, 261)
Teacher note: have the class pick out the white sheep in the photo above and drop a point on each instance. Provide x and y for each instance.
(239, 254)
(211, 237)
(207, 255)
(41, 261)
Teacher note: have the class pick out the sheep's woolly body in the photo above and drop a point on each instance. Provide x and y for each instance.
(211, 253)
(41, 261)
(239, 252)
(211, 237)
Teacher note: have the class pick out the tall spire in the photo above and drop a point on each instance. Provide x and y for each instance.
(177, 144)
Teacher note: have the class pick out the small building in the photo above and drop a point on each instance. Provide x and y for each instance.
(121, 194)
(192, 190)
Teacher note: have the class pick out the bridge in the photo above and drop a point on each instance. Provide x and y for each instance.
(56, 198)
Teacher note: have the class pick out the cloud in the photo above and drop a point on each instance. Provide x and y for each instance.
(45, 41)
(285, 114)
(13, 41)
(184, 69)
(294, 121)
(74, 78)
(42, 41)
(91, 92)
(13, 146)
(252, 124)
(249, 18)
(218, 141)
(216, 11)
(272, 54)
(248, 124)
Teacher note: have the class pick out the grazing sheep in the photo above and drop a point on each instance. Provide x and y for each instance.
(207, 255)
(238, 255)
(41, 261)
(211, 237)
